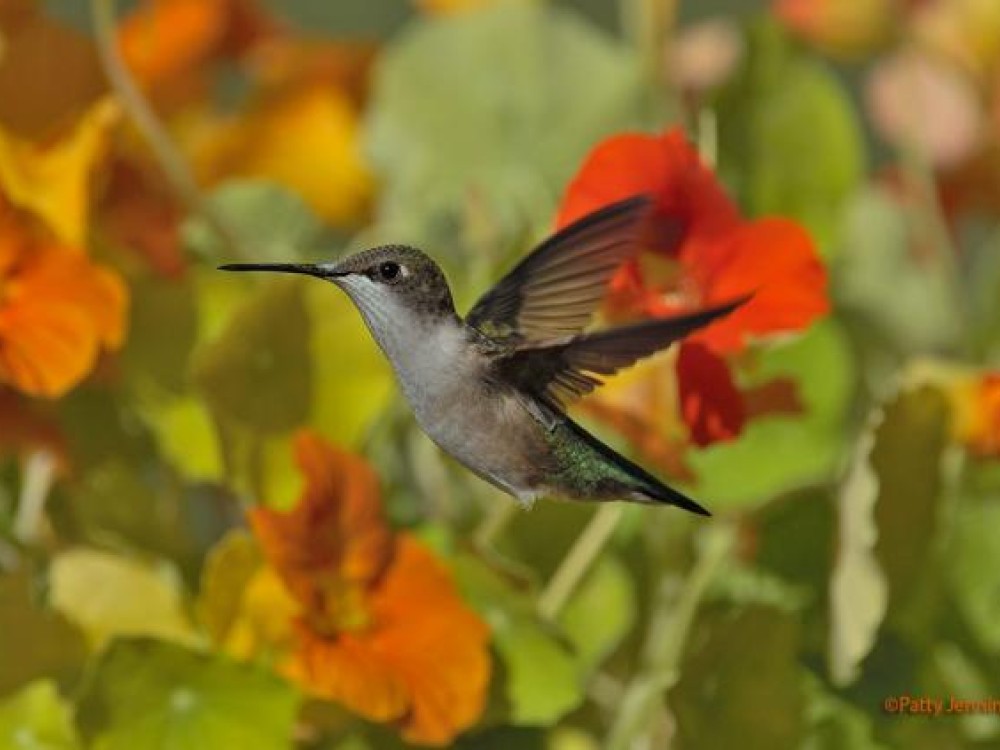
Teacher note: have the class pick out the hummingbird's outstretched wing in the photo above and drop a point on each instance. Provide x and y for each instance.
(564, 369)
(553, 292)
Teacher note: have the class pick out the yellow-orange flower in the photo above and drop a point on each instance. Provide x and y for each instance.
(51, 180)
(306, 138)
(57, 311)
(976, 414)
(164, 40)
(378, 625)
(451, 7)
(844, 28)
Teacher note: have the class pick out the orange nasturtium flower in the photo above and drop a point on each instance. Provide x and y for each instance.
(702, 252)
(976, 413)
(164, 40)
(51, 179)
(58, 310)
(361, 615)
(451, 7)
(842, 28)
(305, 137)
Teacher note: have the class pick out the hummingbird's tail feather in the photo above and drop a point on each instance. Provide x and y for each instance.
(661, 493)
(630, 481)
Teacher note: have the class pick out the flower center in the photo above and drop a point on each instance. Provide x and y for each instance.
(344, 609)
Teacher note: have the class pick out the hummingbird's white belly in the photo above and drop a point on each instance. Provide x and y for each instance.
(486, 429)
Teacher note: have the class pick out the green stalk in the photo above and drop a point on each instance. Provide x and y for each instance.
(168, 156)
(581, 556)
(648, 24)
(669, 629)
(39, 476)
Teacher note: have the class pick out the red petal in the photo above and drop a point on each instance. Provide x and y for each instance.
(711, 405)
(664, 166)
(776, 261)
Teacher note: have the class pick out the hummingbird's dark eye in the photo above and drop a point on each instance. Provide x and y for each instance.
(388, 271)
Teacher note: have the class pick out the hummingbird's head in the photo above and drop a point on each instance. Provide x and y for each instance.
(389, 284)
(395, 276)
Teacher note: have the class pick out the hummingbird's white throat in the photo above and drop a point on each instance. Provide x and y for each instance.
(428, 353)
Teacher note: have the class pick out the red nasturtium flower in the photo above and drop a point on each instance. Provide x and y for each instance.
(57, 311)
(376, 622)
(701, 252)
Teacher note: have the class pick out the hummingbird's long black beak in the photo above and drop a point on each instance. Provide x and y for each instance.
(308, 269)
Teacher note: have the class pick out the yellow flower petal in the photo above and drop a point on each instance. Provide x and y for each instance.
(52, 181)
(264, 625)
(306, 140)
(449, 7)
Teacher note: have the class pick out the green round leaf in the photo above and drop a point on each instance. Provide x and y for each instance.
(600, 613)
(266, 222)
(37, 642)
(496, 107)
(789, 139)
(36, 718)
(741, 684)
(258, 372)
(145, 694)
(974, 571)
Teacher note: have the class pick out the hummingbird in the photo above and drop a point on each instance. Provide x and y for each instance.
(492, 389)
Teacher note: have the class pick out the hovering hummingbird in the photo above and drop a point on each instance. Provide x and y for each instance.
(491, 390)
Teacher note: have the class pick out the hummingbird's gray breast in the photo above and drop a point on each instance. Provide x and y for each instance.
(446, 379)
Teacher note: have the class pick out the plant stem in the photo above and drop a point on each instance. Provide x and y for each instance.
(148, 124)
(670, 626)
(918, 171)
(579, 559)
(496, 520)
(39, 474)
(648, 23)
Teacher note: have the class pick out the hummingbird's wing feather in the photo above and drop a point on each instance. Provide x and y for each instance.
(565, 369)
(554, 290)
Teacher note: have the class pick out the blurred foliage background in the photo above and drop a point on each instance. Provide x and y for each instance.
(219, 525)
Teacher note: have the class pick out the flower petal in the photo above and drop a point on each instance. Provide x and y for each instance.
(348, 670)
(711, 405)
(56, 311)
(264, 622)
(776, 261)
(434, 641)
(306, 138)
(976, 413)
(690, 200)
(53, 180)
(423, 663)
(842, 28)
(335, 535)
(97, 293)
(45, 350)
(165, 38)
